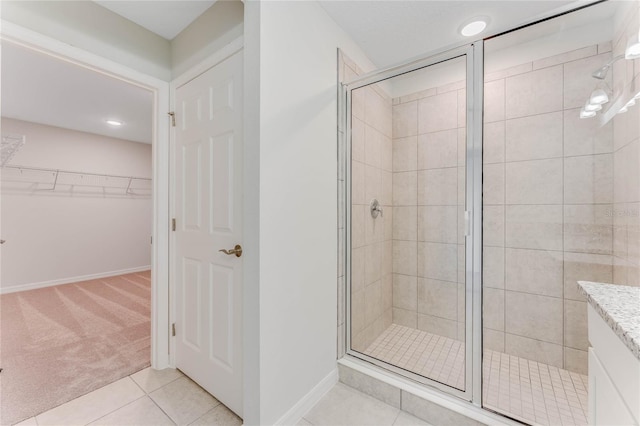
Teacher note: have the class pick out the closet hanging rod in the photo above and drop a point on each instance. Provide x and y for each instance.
(40, 169)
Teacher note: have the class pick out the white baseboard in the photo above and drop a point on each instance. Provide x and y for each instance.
(42, 284)
(307, 402)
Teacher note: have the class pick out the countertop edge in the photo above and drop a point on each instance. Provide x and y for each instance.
(633, 343)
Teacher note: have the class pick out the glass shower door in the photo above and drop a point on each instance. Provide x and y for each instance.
(406, 201)
(558, 97)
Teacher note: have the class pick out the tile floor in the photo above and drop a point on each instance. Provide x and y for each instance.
(430, 355)
(533, 391)
(526, 390)
(148, 397)
(346, 406)
(167, 397)
(530, 391)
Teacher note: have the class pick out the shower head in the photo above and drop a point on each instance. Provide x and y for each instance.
(632, 51)
(601, 73)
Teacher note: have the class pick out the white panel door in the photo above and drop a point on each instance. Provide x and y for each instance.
(208, 212)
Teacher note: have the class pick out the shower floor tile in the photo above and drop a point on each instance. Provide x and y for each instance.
(526, 390)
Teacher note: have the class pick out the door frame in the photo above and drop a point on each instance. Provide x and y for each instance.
(160, 164)
(473, 54)
(214, 59)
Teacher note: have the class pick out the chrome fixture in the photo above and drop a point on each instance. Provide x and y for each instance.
(587, 114)
(601, 73)
(375, 208)
(632, 51)
(600, 95)
(589, 107)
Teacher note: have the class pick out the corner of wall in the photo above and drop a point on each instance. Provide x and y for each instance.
(216, 27)
(251, 218)
(93, 28)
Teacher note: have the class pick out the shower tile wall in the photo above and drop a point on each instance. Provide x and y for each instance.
(561, 204)
(626, 164)
(428, 205)
(547, 188)
(371, 254)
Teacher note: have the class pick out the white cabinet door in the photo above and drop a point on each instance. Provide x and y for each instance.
(606, 407)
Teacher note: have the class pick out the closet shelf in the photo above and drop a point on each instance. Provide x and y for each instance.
(11, 144)
(55, 177)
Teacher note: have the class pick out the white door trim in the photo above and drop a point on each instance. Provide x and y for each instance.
(193, 72)
(160, 89)
(208, 63)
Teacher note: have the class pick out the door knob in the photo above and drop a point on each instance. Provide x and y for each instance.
(237, 250)
(2, 241)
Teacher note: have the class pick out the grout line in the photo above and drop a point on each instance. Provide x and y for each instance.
(193, 422)
(397, 415)
(137, 384)
(119, 408)
(164, 412)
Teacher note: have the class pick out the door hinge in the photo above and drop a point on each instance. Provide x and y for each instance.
(173, 329)
(173, 224)
(151, 239)
(173, 118)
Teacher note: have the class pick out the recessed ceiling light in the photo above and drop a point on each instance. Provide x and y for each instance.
(474, 27)
(115, 123)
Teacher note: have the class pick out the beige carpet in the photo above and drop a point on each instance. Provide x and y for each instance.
(61, 342)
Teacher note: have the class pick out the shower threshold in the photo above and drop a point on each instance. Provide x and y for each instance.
(529, 391)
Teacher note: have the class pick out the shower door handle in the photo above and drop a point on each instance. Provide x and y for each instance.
(467, 223)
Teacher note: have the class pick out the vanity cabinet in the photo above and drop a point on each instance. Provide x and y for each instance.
(614, 376)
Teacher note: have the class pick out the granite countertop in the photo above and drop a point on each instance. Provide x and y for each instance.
(619, 306)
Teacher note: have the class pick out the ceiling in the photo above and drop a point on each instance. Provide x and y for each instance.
(165, 18)
(419, 27)
(40, 88)
(586, 27)
(46, 90)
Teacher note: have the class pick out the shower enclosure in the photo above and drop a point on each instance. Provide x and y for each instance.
(410, 214)
(481, 184)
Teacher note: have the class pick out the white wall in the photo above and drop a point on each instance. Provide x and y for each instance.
(251, 216)
(297, 199)
(217, 26)
(91, 27)
(68, 233)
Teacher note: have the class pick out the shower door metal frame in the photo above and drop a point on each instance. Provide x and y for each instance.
(473, 54)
